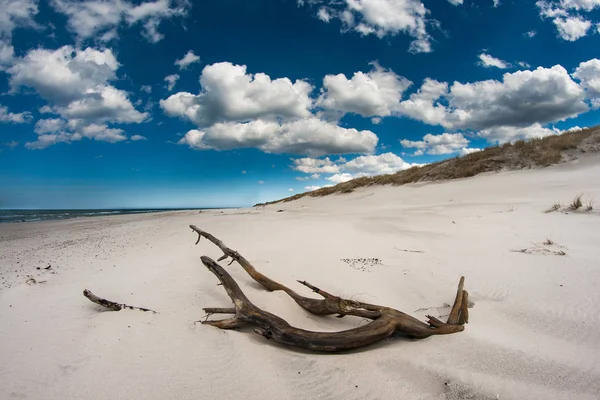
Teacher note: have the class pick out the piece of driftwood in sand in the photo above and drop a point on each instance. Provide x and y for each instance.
(111, 305)
(385, 321)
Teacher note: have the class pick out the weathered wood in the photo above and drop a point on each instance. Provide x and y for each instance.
(111, 305)
(457, 307)
(385, 320)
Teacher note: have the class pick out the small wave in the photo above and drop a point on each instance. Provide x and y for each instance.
(7, 216)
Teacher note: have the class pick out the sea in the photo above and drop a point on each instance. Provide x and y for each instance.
(43, 215)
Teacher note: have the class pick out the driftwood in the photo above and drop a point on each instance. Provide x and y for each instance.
(111, 305)
(385, 320)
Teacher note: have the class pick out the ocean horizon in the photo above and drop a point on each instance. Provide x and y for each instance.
(33, 215)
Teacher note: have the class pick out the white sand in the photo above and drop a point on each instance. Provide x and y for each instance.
(534, 331)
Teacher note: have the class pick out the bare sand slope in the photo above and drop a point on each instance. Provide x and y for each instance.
(534, 330)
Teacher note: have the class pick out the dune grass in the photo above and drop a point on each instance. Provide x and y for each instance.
(539, 152)
(576, 204)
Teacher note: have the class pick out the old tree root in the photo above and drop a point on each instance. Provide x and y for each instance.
(385, 321)
(111, 305)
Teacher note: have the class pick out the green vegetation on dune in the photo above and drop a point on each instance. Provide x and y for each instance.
(538, 152)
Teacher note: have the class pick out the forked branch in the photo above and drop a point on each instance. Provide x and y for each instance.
(385, 320)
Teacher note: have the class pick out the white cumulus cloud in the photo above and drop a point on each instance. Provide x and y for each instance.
(17, 118)
(315, 166)
(102, 18)
(569, 16)
(521, 98)
(381, 18)
(342, 170)
(76, 84)
(376, 93)
(188, 59)
(588, 73)
(503, 134)
(230, 94)
(445, 143)
(487, 60)
(310, 136)
(340, 178)
(171, 81)
(54, 132)
(572, 28)
(312, 188)
(14, 14)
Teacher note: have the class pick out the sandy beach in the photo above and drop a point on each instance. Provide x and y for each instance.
(533, 278)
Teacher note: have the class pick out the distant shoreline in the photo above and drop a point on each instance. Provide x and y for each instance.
(28, 215)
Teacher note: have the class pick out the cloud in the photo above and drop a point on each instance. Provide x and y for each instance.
(324, 15)
(572, 28)
(445, 143)
(231, 94)
(49, 125)
(12, 144)
(386, 163)
(304, 136)
(308, 178)
(487, 61)
(76, 84)
(522, 98)
(100, 19)
(137, 138)
(235, 109)
(340, 178)
(376, 93)
(380, 18)
(7, 53)
(456, 2)
(65, 74)
(261, 182)
(530, 34)
(468, 150)
(17, 118)
(146, 88)
(188, 59)
(45, 110)
(73, 131)
(424, 105)
(103, 104)
(567, 16)
(588, 73)
(573, 129)
(312, 188)
(171, 81)
(290, 190)
(314, 166)
(505, 134)
(496, 3)
(343, 170)
(14, 14)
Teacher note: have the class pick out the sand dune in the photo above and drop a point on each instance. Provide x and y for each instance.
(534, 330)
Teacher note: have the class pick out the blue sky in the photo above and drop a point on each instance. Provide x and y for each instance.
(175, 103)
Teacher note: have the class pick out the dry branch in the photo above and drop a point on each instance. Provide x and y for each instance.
(385, 320)
(111, 305)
